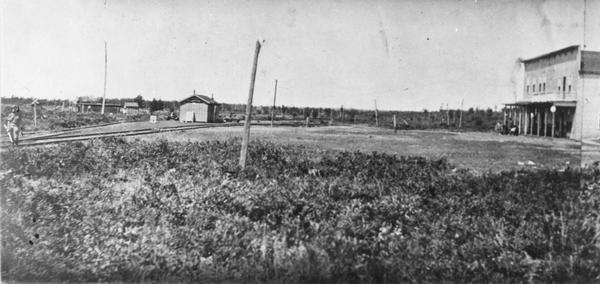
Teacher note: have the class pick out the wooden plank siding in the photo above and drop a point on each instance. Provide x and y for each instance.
(198, 108)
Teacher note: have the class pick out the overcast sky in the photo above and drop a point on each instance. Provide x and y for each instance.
(407, 55)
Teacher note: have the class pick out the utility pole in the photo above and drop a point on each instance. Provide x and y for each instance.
(246, 136)
(460, 118)
(34, 105)
(105, 67)
(330, 116)
(448, 114)
(273, 108)
(376, 118)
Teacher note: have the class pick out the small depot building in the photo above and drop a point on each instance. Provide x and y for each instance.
(198, 108)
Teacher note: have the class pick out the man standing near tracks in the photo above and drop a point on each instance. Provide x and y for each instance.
(13, 125)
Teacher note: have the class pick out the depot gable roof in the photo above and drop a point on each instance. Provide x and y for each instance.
(199, 99)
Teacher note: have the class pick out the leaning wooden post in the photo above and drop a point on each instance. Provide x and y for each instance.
(246, 136)
(273, 108)
(395, 125)
(307, 121)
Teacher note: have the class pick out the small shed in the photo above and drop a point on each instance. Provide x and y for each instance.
(198, 108)
(131, 108)
(131, 105)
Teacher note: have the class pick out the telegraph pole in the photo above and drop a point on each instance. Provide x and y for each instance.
(273, 108)
(34, 105)
(246, 136)
(460, 118)
(105, 68)
(376, 118)
(448, 114)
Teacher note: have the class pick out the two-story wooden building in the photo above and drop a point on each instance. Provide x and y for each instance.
(561, 95)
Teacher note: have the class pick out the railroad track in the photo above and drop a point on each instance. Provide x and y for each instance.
(71, 137)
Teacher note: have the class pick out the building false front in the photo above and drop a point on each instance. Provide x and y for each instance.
(561, 95)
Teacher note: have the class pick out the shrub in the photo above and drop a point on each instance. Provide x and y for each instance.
(111, 210)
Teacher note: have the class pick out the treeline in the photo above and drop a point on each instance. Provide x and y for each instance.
(470, 119)
(454, 119)
(153, 105)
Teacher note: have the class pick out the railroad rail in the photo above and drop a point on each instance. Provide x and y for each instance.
(68, 137)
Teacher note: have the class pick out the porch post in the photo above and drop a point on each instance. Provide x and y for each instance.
(560, 124)
(526, 120)
(530, 126)
(512, 115)
(537, 121)
(519, 119)
(545, 122)
(553, 120)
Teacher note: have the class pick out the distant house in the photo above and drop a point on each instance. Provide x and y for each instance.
(560, 95)
(131, 105)
(87, 106)
(132, 108)
(198, 108)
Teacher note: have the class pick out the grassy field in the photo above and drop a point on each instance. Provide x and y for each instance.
(474, 150)
(333, 204)
(158, 211)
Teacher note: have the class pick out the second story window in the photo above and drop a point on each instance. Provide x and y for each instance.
(534, 88)
(540, 87)
(569, 88)
(544, 85)
(528, 89)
